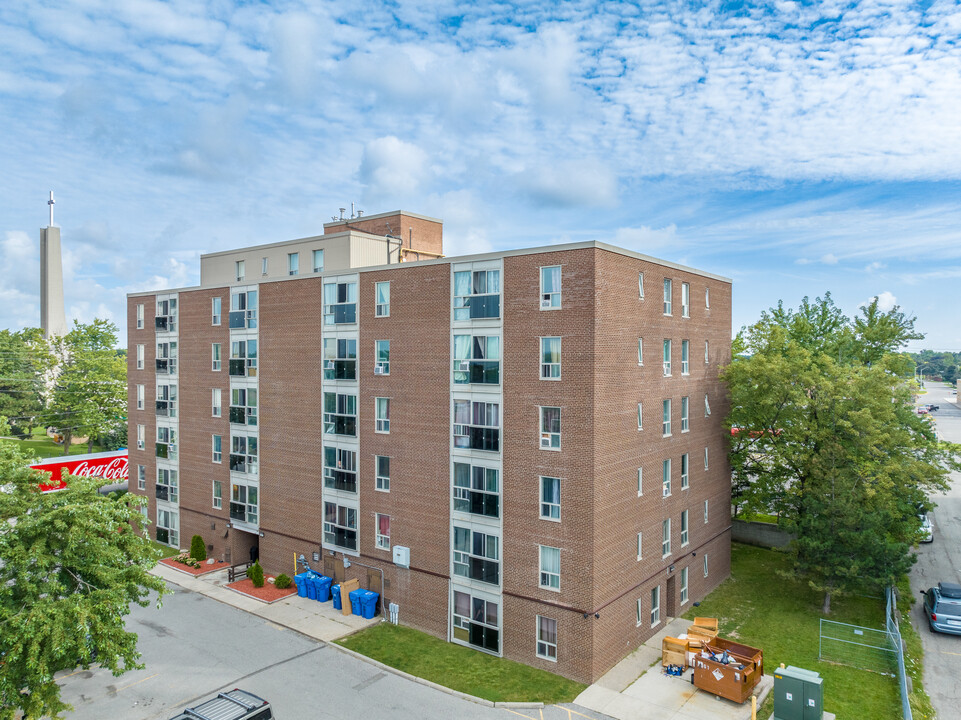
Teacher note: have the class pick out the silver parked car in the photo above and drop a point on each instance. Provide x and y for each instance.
(942, 608)
(927, 529)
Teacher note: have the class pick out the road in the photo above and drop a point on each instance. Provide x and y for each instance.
(194, 647)
(941, 560)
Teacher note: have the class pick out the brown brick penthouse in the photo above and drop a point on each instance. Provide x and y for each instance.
(525, 447)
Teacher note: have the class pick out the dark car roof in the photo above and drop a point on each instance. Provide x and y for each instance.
(949, 590)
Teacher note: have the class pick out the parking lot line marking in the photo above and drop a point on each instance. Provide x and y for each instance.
(136, 682)
(521, 714)
(945, 652)
(569, 711)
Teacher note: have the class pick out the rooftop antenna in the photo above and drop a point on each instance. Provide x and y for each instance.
(342, 211)
(352, 211)
(51, 203)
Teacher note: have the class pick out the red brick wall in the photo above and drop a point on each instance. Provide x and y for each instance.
(417, 233)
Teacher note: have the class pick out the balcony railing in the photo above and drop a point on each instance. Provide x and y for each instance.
(340, 370)
(163, 408)
(477, 503)
(477, 438)
(340, 314)
(487, 571)
(341, 537)
(477, 371)
(340, 480)
(340, 425)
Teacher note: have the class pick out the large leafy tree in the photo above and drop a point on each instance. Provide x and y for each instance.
(24, 362)
(71, 564)
(825, 435)
(90, 395)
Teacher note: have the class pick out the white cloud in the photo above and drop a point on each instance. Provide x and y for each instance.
(647, 240)
(578, 183)
(829, 259)
(886, 301)
(874, 266)
(393, 168)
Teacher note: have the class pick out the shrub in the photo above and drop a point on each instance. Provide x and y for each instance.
(256, 574)
(198, 551)
(282, 581)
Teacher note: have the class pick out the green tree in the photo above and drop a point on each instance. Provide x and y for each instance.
(826, 437)
(24, 362)
(90, 395)
(71, 564)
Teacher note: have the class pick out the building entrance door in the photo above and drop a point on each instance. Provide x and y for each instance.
(670, 606)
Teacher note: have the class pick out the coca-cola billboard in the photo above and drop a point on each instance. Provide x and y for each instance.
(109, 466)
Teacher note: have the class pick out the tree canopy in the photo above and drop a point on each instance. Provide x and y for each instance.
(71, 564)
(824, 434)
(24, 363)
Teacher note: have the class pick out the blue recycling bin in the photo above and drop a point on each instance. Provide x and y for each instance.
(311, 582)
(323, 588)
(335, 593)
(355, 601)
(368, 604)
(301, 581)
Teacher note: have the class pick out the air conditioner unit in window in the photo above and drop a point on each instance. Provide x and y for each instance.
(380, 369)
(329, 365)
(546, 301)
(464, 365)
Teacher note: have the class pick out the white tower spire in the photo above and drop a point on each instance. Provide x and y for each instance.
(51, 203)
(53, 320)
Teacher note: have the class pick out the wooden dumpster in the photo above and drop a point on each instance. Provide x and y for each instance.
(704, 629)
(674, 652)
(733, 680)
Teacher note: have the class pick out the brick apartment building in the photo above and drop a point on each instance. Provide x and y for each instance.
(524, 447)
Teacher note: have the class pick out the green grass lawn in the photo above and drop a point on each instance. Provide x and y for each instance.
(40, 446)
(166, 550)
(460, 668)
(757, 607)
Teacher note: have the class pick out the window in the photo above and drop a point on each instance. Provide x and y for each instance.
(640, 351)
(640, 416)
(166, 401)
(264, 264)
(240, 270)
(243, 310)
(382, 290)
(550, 428)
(215, 357)
(140, 316)
(141, 438)
(382, 463)
(477, 359)
(685, 422)
(707, 297)
(382, 357)
(667, 358)
(707, 353)
(550, 358)
(243, 454)
(318, 261)
(685, 300)
(640, 285)
(340, 414)
(705, 564)
(667, 296)
(683, 585)
(475, 621)
(218, 495)
(215, 311)
(244, 503)
(550, 498)
(550, 287)
(666, 538)
(243, 406)
(705, 512)
(684, 472)
(706, 460)
(340, 526)
(215, 402)
(476, 425)
(243, 358)
(340, 303)
(550, 567)
(666, 418)
(684, 530)
(340, 359)
(140, 357)
(547, 638)
(166, 319)
(166, 443)
(476, 490)
(141, 477)
(655, 605)
(476, 555)
(382, 411)
(166, 488)
(640, 481)
(666, 477)
(168, 527)
(293, 263)
(340, 469)
(707, 406)
(685, 357)
(217, 448)
(166, 358)
(477, 294)
(640, 546)
(140, 397)
(382, 531)
(640, 612)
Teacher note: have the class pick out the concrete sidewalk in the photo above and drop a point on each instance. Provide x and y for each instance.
(309, 617)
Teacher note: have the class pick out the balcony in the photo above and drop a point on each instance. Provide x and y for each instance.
(163, 365)
(477, 503)
(341, 537)
(242, 319)
(163, 408)
(340, 425)
(487, 571)
(340, 480)
(163, 492)
(341, 314)
(161, 323)
(477, 438)
(242, 367)
(242, 512)
(484, 306)
(340, 370)
(242, 415)
(477, 371)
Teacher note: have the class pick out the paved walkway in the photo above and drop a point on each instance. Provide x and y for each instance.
(309, 617)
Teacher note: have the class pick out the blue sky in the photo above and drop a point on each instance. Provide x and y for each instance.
(797, 148)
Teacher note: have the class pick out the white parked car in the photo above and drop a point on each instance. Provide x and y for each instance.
(927, 529)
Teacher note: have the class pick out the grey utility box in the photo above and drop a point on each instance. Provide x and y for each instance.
(798, 694)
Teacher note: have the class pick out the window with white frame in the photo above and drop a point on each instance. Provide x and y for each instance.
(640, 351)
(640, 612)
(685, 300)
(476, 555)
(477, 359)
(640, 481)
(166, 488)
(340, 414)
(550, 287)
(550, 428)
(640, 285)
(340, 359)
(166, 405)
(477, 489)
(476, 425)
(168, 527)
(243, 310)
(140, 316)
(705, 564)
(668, 291)
(707, 406)
(244, 453)
(264, 265)
(707, 463)
(475, 621)
(141, 477)
(340, 526)
(382, 293)
(477, 294)
(683, 585)
(666, 477)
(340, 469)
(685, 414)
(218, 495)
(243, 406)
(382, 414)
(550, 498)
(685, 357)
(215, 357)
(140, 397)
(666, 418)
(640, 546)
(685, 472)
(707, 297)
(685, 535)
(340, 303)
(244, 503)
(318, 261)
(655, 605)
(547, 638)
(550, 567)
(667, 358)
(382, 357)
(216, 409)
(166, 319)
(382, 539)
(550, 358)
(666, 537)
(382, 465)
(217, 448)
(166, 443)
(166, 360)
(240, 270)
(141, 437)
(140, 357)
(215, 310)
(640, 416)
(707, 352)
(293, 263)
(705, 512)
